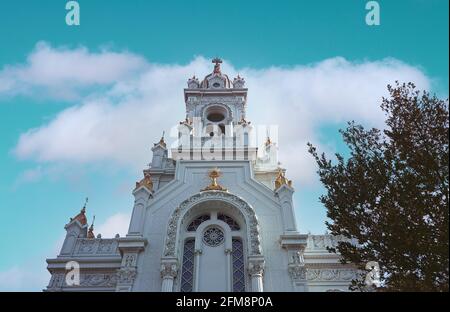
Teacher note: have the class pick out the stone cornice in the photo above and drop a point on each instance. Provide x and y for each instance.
(293, 240)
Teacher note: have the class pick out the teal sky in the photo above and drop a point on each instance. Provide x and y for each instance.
(256, 34)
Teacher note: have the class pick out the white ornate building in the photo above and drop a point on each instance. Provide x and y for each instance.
(216, 216)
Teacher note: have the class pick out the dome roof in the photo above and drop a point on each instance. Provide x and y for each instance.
(207, 85)
(216, 79)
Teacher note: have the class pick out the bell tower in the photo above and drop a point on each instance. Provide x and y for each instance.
(215, 119)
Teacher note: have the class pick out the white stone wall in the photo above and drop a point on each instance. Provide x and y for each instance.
(145, 242)
(191, 177)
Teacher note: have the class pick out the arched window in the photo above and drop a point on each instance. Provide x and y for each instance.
(234, 226)
(192, 227)
(214, 268)
(187, 274)
(238, 266)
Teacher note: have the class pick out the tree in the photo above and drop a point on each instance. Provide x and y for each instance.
(391, 194)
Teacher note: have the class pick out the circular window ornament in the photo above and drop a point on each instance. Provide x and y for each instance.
(216, 85)
(213, 236)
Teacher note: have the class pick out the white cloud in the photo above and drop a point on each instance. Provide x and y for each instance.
(303, 98)
(30, 175)
(62, 72)
(115, 224)
(120, 123)
(24, 278)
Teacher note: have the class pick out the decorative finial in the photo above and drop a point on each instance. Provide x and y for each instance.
(161, 141)
(90, 233)
(238, 82)
(81, 217)
(83, 210)
(214, 174)
(244, 122)
(186, 122)
(193, 83)
(268, 140)
(145, 182)
(281, 180)
(217, 61)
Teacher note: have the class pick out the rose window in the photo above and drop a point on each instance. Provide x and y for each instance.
(213, 236)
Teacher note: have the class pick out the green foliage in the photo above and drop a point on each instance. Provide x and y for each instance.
(392, 193)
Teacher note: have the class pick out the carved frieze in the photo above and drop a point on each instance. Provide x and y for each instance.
(98, 280)
(107, 246)
(94, 280)
(126, 275)
(344, 275)
(297, 272)
(96, 246)
(56, 282)
(219, 99)
(324, 241)
(86, 246)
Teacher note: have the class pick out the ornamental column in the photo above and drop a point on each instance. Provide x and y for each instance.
(256, 271)
(169, 270)
(228, 252)
(297, 270)
(197, 254)
(130, 248)
(295, 244)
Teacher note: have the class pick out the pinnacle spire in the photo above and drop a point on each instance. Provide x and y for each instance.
(162, 141)
(81, 217)
(83, 210)
(90, 233)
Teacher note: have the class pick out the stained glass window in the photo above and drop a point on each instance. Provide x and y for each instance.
(187, 274)
(213, 236)
(192, 227)
(234, 226)
(238, 266)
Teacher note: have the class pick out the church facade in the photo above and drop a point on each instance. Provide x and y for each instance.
(217, 215)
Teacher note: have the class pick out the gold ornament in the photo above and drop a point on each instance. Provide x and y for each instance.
(281, 180)
(145, 182)
(214, 174)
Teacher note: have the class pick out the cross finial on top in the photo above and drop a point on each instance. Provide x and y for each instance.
(217, 61)
(84, 206)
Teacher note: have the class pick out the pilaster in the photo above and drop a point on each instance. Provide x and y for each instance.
(169, 271)
(130, 248)
(256, 271)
